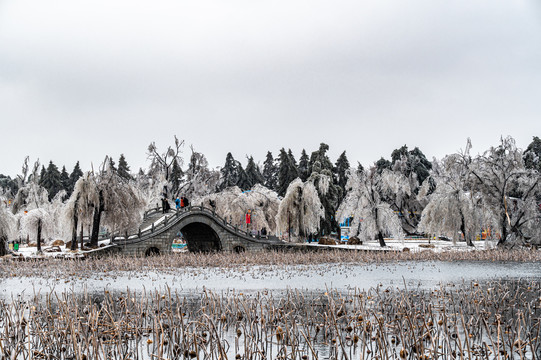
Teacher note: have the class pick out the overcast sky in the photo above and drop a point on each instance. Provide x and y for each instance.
(83, 79)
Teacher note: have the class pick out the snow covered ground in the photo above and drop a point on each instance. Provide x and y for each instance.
(415, 245)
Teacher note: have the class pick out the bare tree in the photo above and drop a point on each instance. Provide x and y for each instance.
(163, 162)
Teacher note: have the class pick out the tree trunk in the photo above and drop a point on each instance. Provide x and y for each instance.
(81, 236)
(381, 239)
(503, 236)
(3, 245)
(39, 235)
(98, 210)
(74, 232)
(469, 242)
(74, 228)
(380, 235)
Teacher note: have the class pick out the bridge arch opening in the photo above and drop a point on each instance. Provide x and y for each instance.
(239, 249)
(201, 238)
(152, 251)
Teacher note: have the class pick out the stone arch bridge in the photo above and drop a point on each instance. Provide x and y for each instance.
(202, 229)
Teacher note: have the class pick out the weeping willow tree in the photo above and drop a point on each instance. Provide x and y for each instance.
(300, 210)
(31, 206)
(104, 198)
(372, 217)
(453, 210)
(233, 204)
(7, 226)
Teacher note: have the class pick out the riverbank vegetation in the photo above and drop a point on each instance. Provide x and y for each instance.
(493, 320)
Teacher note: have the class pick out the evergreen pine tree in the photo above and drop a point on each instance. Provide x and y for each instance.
(42, 175)
(360, 168)
(382, 164)
(304, 166)
(229, 173)
(112, 164)
(321, 165)
(242, 178)
(342, 166)
(76, 173)
(320, 156)
(253, 174)
(123, 168)
(270, 172)
(287, 171)
(65, 180)
(292, 158)
(532, 155)
(52, 182)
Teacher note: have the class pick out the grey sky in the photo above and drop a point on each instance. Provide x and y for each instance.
(83, 79)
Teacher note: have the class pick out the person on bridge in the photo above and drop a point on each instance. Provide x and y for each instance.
(163, 205)
(177, 203)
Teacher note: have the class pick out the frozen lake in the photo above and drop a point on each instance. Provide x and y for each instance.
(342, 277)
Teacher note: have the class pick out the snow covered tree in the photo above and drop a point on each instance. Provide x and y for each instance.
(253, 174)
(111, 165)
(199, 180)
(176, 177)
(124, 205)
(36, 223)
(509, 190)
(30, 204)
(452, 210)
(151, 187)
(371, 216)
(287, 171)
(320, 156)
(81, 205)
(532, 155)
(162, 164)
(300, 211)
(233, 204)
(123, 168)
(304, 166)
(383, 164)
(8, 185)
(7, 225)
(321, 176)
(112, 200)
(411, 169)
(270, 172)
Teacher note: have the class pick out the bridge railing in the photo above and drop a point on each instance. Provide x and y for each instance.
(166, 220)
